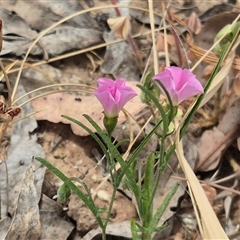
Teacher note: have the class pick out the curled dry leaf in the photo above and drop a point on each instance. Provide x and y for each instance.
(73, 105)
(119, 59)
(26, 221)
(160, 42)
(121, 26)
(208, 71)
(194, 23)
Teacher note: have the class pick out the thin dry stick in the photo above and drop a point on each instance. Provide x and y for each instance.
(3, 160)
(27, 116)
(7, 83)
(149, 57)
(232, 176)
(220, 187)
(58, 85)
(152, 23)
(8, 68)
(45, 94)
(55, 25)
(67, 55)
(213, 46)
(129, 38)
(176, 40)
(165, 42)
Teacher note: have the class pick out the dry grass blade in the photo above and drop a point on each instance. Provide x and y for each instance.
(218, 77)
(7, 83)
(218, 80)
(55, 25)
(151, 16)
(211, 58)
(120, 25)
(204, 56)
(54, 86)
(207, 220)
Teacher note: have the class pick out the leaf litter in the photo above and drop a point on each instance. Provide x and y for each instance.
(71, 150)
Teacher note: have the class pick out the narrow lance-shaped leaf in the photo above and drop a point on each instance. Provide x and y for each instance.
(162, 208)
(148, 190)
(74, 188)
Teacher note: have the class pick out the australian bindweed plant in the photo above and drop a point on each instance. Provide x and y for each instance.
(177, 85)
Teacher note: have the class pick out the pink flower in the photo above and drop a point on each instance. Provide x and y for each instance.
(180, 83)
(113, 95)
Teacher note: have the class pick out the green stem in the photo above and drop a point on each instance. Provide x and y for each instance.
(113, 172)
(104, 235)
(146, 236)
(161, 162)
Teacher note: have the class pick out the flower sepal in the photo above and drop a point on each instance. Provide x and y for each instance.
(110, 123)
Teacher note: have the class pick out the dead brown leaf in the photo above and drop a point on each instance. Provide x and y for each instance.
(121, 26)
(119, 59)
(194, 23)
(210, 147)
(26, 221)
(210, 192)
(160, 42)
(54, 226)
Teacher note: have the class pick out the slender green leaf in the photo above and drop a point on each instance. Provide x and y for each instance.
(170, 152)
(159, 229)
(134, 230)
(121, 142)
(162, 208)
(148, 190)
(74, 188)
(63, 193)
(171, 107)
(95, 137)
(160, 108)
(115, 153)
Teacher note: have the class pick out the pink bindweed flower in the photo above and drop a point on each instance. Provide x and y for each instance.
(113, 95)
(180, 83)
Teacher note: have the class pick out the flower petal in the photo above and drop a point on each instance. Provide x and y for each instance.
(113, 95)
(176, 74)
(104, 82)
(166, 79)
(180, 83)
